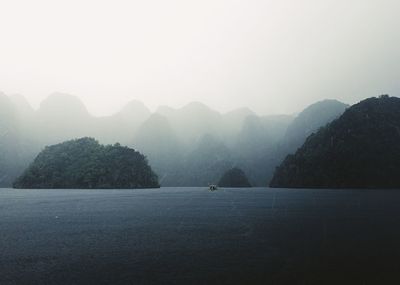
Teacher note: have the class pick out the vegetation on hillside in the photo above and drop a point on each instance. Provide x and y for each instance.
(361, 149)
(84, 163)
(234, 177)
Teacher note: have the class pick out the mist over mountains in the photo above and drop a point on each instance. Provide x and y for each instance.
(190, 146)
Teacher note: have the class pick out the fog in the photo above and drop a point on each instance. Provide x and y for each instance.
(198, 87)
(271, 56)
(188, 146)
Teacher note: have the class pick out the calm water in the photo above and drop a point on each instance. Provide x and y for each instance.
(192, 236)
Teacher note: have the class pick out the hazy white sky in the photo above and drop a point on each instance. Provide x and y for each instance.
(272, 56)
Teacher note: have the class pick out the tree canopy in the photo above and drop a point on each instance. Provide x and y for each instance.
(361, 149)
(234, 177)
(84, 163)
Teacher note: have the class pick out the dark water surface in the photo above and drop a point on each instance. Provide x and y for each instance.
(192, 236)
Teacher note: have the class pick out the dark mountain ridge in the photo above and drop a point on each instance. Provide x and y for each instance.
(361, 149)
(310, 120)
(234, 178)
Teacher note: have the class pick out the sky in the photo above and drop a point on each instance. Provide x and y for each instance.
(273, 56)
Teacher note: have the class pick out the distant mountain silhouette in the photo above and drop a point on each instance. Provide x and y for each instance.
(193, 121)
(21, 105)
(234, 177)
(361, 149)
(310, 120)
(122, 126)
(257, 146)
(259, 133)
(84, 163)
(9, 119)
(159, 142)
(134, 110)
(15, 151)
(61, 105)
(188, 146)
(232, 123)
(305, 123)
(8, 140)
(61, 117)
(206, 163)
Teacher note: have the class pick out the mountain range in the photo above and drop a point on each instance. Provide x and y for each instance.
(189, 146)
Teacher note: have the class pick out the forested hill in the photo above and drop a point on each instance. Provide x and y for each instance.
(84, 163)
(234, 177)
(361, 149)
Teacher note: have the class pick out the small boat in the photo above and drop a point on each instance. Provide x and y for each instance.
(212, 187)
